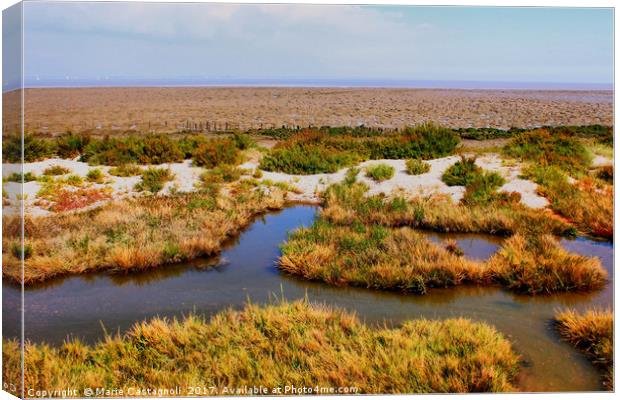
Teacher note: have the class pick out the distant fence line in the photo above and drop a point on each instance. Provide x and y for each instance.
(189, 125)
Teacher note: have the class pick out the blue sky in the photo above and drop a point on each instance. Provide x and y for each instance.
(142, 40)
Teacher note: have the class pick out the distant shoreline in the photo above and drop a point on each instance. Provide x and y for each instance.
(313, 83)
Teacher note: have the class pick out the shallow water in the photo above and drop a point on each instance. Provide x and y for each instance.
(83, 305)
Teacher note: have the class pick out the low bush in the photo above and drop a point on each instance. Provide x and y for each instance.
(153, 179)
(216, 152)
(95, 176)
(56, 170)
(19, 177)
(307, 159)
(415, 166)
(70, 145)
(547, 149)
(149, 149)
(592, 333)
(313, 151)
(243, 141)
(380, 172)
(35, 149)
(482, 188)
(461, 173)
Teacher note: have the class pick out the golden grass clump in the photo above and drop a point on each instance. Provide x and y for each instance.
(281, 345)
(370, 241)
(133, 234)
(592, 333)
(375, 257)
(542, 265)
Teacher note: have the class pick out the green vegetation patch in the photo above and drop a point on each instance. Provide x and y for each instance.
(320, 151)
(415, 166)
(380, 172)
(288, 344)
(216, 152)
(19, 177)
(56, 170)
(153, 179)
(550, 149)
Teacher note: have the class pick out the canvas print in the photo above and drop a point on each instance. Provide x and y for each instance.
(220, 199)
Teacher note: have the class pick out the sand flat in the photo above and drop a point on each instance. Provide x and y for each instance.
(167, 109)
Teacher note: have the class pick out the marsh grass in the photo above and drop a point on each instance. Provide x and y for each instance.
(55, 170)
(95, 176)
(371, 241)
(153, 179)
(380, 172)
(592, 333)
(132, 234)
(125, 170)
(415, 166)
(588, 203)
(276, 345)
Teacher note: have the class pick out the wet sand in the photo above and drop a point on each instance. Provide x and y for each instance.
(116, 110)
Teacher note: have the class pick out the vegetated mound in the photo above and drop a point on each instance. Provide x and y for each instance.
(287, 344)
(323, 151)
(592, 333)
(369, 241)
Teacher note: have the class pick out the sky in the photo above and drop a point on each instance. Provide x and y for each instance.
(279, 42)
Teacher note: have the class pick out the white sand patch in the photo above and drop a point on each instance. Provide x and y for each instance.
(187, 177)
(601, 161)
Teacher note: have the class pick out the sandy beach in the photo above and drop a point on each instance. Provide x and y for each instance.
(168, 109)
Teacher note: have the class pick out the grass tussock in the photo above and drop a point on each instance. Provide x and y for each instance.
(313, 151)
(153, 179)
(55, 170)
(380, 172)
(541, 265)
(415, 166)
(133, 234)
(21, 178)
(125, 170)
(592, 333)
(285, 344)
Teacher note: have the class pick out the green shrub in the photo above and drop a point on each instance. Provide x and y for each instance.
(327, 150)
(482, 188)
(160, 149)
(380, 172)
(56, 170)
(153, 179)
(71, 145)
(545, 148)
(215, 152)
(462, 172)
(415, 166)
(150, 149)
(125, 170)
(18, 177)
(34, 149)
(307, 159)
(95, 176)
(243, 141)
